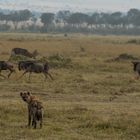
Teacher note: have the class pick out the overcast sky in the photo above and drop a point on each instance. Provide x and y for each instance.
(101, 5)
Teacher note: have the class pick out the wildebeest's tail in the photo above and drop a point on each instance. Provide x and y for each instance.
(19, 66)
(13, 52)
(46, 67)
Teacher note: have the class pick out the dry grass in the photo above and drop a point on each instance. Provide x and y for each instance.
(91, 99)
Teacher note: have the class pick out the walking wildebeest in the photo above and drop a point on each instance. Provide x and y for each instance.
(136, 67)
(25, 52)
(5, 65)
(32, 66)
(35, 108)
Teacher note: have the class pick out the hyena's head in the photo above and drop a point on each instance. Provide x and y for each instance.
(26, 96)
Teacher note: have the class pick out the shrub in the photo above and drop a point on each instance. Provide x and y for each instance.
(134, 41)
(124, 56)
(19, 58)
(57, 61)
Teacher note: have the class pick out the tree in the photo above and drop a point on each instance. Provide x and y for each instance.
(133, 17)
(115, 18)
(94, 19)
(18, 16)
(47, 18)
(24, 15)
(77, 18)
(63, 15)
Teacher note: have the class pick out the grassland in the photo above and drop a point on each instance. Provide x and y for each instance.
(93, 98)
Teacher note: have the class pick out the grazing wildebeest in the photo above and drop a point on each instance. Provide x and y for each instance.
(136, 67)
(32, 66)
(5, 65)
(25, 52)
(35, 108)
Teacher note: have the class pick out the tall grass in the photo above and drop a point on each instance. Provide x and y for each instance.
(90, 97)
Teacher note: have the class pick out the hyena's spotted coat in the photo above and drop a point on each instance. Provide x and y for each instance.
(35, 112)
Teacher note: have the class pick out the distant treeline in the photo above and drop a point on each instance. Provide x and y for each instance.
(69, 22)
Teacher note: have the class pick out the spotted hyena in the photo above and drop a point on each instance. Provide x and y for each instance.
(35, 112)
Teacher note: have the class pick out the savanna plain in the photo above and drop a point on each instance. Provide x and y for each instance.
(94, 94)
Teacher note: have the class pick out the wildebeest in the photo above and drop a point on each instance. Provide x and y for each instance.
(24, 52)
(35, 108)
(5, 65)
(136, 67)
(23, 65)
(33, 66)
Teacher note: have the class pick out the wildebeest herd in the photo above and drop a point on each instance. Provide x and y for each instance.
(28, 66)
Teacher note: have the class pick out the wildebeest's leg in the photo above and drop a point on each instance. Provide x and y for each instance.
(23, 74)
(50, 75)
(10, 73)
(29, 76)
(46, 75)
(138, 75)
(2, 75)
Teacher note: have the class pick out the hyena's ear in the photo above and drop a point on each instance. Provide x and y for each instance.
(21, 93)
(28, 93)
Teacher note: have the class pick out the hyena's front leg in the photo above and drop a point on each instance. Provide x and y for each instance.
(29, 117)
(34, 122)
(41, 119)
(34, 119)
